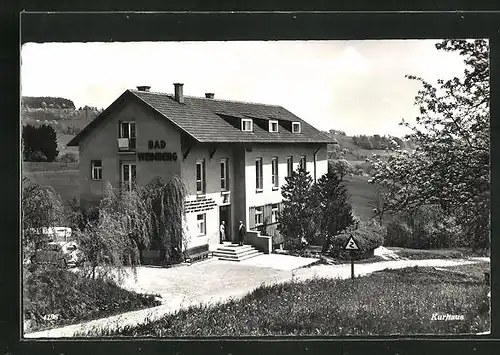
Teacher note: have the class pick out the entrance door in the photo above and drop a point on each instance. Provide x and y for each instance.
(225, 215)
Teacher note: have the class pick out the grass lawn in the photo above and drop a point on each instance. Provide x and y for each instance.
(55, 297)
(476, 270)
(388, 302)
(420, 254)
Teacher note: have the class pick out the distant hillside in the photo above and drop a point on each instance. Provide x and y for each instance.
(57, 112)
(357, 148)
(46, 102)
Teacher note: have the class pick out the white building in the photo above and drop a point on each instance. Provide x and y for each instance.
(233, 156)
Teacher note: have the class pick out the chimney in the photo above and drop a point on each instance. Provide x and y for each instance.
(179, 96)
(144, 88)
(209, 95)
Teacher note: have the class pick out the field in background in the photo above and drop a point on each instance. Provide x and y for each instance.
(62, 141)
(356, 152)
(363, 196)
(63, 177)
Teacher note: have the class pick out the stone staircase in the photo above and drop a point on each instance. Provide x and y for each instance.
(234, 252)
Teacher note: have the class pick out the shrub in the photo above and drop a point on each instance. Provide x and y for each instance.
(367, 234)
(278, 239)
(34, 156)
(425, 227)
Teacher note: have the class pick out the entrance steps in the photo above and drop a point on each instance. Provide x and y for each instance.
(234, 252)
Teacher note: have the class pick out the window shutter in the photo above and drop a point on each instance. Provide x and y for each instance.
(266, 213)
(119, 129)
(251, 218)
(204, 176)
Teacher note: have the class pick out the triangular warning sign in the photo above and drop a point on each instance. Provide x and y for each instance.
(351, 244)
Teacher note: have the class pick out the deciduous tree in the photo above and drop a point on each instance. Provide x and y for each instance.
(341, 167)
(451, 164)
(41, 208)
(39, 142)
(166, 201)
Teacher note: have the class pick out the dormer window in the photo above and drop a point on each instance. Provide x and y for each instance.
(295, 127)
(273, 126)
(246, 125)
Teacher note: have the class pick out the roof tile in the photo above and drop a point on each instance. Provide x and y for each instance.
(201, 118)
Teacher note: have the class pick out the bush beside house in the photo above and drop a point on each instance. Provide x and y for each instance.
(368, 235)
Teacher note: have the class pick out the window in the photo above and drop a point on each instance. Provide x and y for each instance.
(303, 162)
(224, 175)
(96, 169)
(258, 216)
(200, 177)
(127, 130)
(289, 166)
(201, 224)
(258, 174)
(296, 127)
(273, 126)
(274, 178)
(128, 175)
(246, 125)
(274, 213)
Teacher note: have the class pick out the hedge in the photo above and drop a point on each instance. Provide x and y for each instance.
(368, 235)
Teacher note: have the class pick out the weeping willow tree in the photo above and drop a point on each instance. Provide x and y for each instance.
(131, 221)
(166, 201)
(105, 241)
(138, 219)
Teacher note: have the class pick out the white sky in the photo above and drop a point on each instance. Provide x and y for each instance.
(355, 86)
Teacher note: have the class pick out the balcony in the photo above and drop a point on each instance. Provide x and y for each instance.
(126, 145)
(226, 197)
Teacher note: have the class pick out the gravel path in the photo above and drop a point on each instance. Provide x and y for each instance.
(218, 281)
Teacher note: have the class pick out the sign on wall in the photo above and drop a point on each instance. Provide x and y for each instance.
(157, 156)
(157, 144)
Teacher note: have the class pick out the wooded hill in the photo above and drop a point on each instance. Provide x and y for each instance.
(46, 102)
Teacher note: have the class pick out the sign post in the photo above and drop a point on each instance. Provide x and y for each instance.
(352, 246)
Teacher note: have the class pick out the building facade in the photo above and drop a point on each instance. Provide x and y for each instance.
(232, 156)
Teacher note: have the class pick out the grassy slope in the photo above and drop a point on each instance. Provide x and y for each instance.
(355, 152)
(362, 196)
(387, 302)
(64, 178)
(74, 298)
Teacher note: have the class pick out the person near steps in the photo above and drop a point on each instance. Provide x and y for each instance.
(242, 233)
(222, 230)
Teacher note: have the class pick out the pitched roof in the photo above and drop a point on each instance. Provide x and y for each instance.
(218, 121)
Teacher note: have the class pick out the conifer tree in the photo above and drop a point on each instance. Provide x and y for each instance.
(298, 218)
(334, 209)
